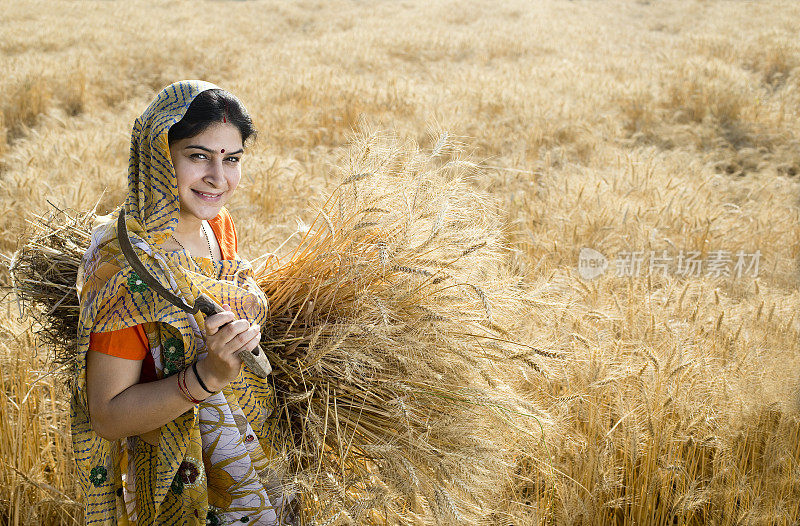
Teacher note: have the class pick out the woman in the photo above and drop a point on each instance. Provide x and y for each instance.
(167, 426)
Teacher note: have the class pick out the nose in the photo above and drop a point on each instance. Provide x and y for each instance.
(215, 175)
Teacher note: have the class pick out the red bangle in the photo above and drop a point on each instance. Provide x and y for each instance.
(180, 387)
(185, 388)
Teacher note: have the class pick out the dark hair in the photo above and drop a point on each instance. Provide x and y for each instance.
(209, 107)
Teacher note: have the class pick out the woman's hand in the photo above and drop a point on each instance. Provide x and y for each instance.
(223, 342)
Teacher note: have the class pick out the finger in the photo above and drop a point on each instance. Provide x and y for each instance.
(222, 338)
(229, 333)
(249, 345)
(215, 321)
(245, 339)
(219, 322)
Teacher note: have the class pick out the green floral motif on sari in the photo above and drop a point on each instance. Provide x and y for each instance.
(135, 283)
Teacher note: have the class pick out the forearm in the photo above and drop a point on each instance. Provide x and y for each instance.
(120, 406)
(145, 407)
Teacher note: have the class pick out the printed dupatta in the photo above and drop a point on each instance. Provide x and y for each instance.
(219, 462)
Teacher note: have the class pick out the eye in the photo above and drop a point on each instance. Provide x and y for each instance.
(198, 156)
(233, 159)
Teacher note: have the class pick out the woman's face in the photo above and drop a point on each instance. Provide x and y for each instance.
(208, 170)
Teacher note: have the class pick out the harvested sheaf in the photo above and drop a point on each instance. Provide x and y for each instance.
(43, 275)
(388, 324)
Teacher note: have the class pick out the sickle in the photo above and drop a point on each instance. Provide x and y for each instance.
(255, 360)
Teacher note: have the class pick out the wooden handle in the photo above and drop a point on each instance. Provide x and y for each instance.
(255, 360)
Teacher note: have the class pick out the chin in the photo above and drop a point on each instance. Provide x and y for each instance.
(205, 213)
(209, 214)
(200, 209)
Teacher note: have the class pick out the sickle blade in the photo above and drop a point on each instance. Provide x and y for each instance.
(141, 271)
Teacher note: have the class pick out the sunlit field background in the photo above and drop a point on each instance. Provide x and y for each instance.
(613, 125)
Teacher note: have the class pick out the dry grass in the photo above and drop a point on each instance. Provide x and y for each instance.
(668, 124)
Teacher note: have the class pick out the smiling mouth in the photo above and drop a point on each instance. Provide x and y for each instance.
(207, 197)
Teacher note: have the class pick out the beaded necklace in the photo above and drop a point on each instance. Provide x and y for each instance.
(208, 242)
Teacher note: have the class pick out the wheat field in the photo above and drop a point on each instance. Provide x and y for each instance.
(611, 125)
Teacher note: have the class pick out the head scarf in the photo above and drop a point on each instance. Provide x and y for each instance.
(233, 432)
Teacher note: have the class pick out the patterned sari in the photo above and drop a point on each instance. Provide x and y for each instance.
(219, 463)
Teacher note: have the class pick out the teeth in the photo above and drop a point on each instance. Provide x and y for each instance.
(207, 195)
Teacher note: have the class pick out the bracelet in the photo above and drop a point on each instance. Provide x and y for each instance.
(185, 389)
(202, 384)
(188, 392)
(180, 388)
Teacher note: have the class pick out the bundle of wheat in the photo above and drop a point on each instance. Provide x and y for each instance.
(385, 323)
(43, 274)
(385, 333)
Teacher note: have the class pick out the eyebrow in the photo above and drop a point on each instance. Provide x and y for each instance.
(209, 150)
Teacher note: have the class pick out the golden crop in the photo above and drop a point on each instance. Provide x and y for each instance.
(616, 125)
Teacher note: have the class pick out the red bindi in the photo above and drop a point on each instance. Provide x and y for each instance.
(222, 150)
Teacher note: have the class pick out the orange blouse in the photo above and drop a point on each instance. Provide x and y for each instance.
(131, 343)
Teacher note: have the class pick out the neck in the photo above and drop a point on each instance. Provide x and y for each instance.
(192, 237)
(189, 227)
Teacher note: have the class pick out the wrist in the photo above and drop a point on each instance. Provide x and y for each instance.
(207, 376)
(185, 387)
(200, 381)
